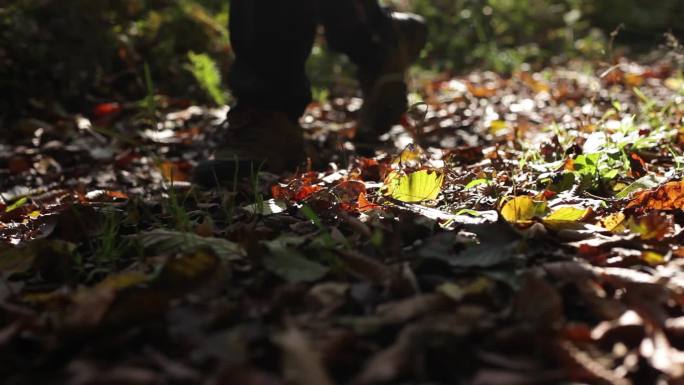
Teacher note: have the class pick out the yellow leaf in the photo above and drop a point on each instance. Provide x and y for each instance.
(571, 214)
(522, 208)
(613, 222)
(634, 80)
(122, 281)
(675, 84)
(497, 126)
(652, 258)
(417, 186)
(410, 154)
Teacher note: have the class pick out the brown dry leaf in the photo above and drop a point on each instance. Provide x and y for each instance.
(583, 366)
(130, 297)
(652, 226)
(391, 362)
(480, 91)
(175, 171)
(637, 165)
(372, 270)
(188, 271)
(613, 222)
(89, 305)
(539, 302)
(301, 364)
(364, 204)
(413, 307)
(669, 196)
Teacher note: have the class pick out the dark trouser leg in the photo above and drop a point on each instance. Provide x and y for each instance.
(272, 40)
(382, 45)
(353, 27)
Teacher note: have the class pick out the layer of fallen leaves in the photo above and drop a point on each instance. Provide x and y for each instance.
(516, 230)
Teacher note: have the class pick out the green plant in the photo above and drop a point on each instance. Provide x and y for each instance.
(149, 102)
(175, 208)
(206, 72)
(109, 246)
(254, 179)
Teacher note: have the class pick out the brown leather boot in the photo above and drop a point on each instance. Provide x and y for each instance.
(383, 85)
(257, 140)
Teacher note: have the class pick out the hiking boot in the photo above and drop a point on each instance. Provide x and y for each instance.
(257, 140)
(384, 85)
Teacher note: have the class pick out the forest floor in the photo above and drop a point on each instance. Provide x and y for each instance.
(515, 230)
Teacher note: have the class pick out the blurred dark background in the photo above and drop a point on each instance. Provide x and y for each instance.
(73, 54)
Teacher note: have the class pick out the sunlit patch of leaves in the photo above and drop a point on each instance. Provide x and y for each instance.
(541, 204)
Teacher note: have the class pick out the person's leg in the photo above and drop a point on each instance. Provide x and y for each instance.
(382, 44)
(272, 40)
(353, 27)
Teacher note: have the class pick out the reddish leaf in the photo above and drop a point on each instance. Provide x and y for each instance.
(18, 164)
(175, 171)
(105, 109)
(364, 204)
(652, 226)
(126, 158)
(279, 192)
(637, 165)
(669, 196)
(305, 192)
(349, 190)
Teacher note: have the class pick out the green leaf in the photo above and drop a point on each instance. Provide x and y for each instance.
(162, 241)
(477, 182)
(417, 186)
(474, 213)
(207, 74)
(20, 202)
(291, 266)
(644, 183)
(587, 164)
